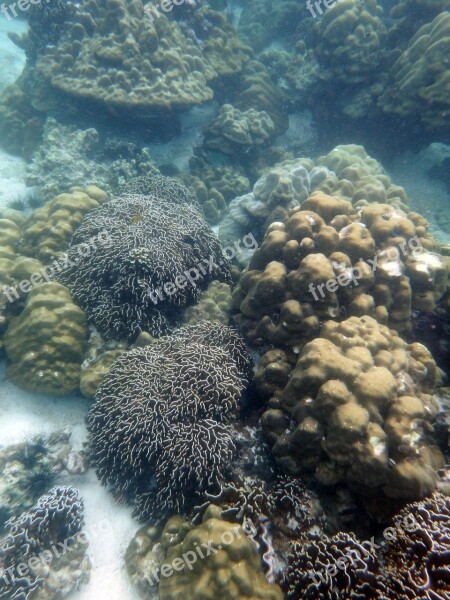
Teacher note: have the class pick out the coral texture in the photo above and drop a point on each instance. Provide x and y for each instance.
(160, 426)
(45, 344)
(113, 53)
(161, 254)
(231, 570)
(56, 518)
(419, 79)
(48, 230)
(357, 409)
(234, 130)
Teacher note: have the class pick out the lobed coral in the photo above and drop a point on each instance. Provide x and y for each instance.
(112, 52)
(419, 79)
(214, 304)
(231, 570)
(57, 518)
(45, 344)
(349, 38)
(160, 254)
(237, 131)
(48, 230)
(327, 260)
(160, 426)
(356, 408)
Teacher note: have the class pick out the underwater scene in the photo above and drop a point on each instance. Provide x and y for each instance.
(224, 299)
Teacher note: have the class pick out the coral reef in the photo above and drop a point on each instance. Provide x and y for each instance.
(419, 79)
(214, 304)
(231, 570)
(143, 559)
(357, 408)
(28, 470)
(99, 358)
(417, 560)
(212, 201)
(45, 344)
(161, 254)
(113, 53)
(48, 230)
(349, 39)
(71, 157)
(328, 260)
(333, 568)
(160, 430)
(57, 518)
(234, 131)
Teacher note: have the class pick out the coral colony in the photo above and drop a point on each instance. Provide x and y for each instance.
(222, 318)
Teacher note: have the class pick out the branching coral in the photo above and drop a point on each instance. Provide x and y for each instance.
(159, 428)
(161, 254)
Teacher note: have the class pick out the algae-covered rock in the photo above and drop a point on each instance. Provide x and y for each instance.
(46, 343)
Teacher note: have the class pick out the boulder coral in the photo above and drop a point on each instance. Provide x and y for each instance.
(45, 344)
(232, 569)
(419, 80)
(160, 427)
(48, 230)
(113, 53)
(349, 37)
(357, 408)
(328, 260)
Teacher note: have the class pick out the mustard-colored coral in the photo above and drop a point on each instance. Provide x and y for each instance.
(46, 343)
(231, 570)
(49, 229)
(357, 408)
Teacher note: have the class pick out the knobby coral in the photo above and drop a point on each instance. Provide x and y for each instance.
(160, 426)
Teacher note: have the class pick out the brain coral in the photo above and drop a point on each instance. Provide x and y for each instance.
(161, 254)
(420, 78)
(160, 426)
(231, 569)
(357, 409)
(112, 52)
(45, 344)
(57, 518)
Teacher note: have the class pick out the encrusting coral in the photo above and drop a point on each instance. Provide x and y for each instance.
(161, 254)
(45, 344)
(160, 427)
(357, 408)
(232, 569)
(57, 518)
